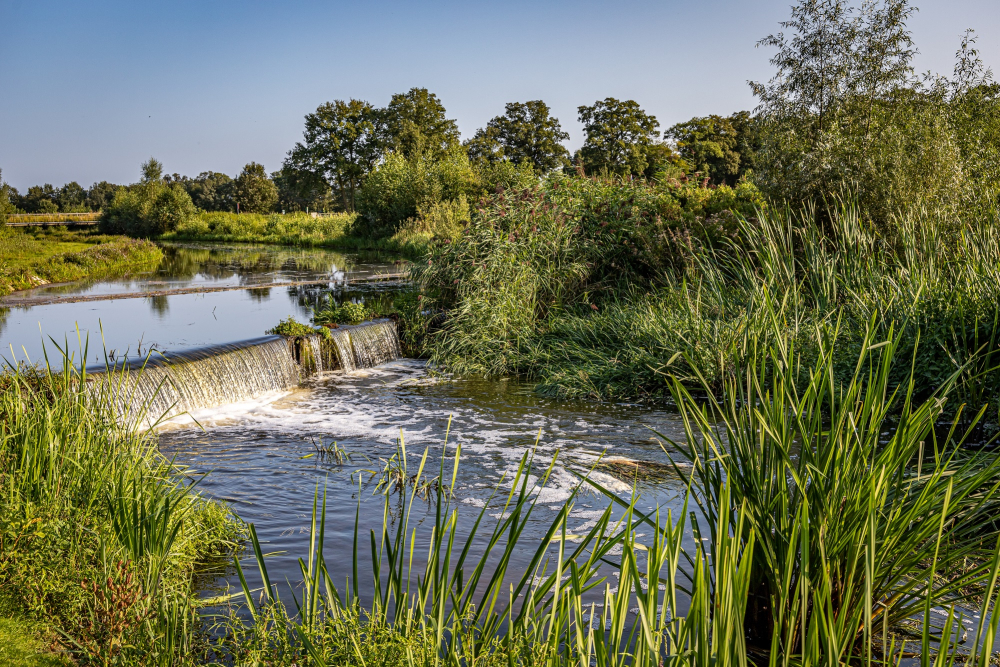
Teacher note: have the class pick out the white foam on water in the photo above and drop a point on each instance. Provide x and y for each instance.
(229, 414)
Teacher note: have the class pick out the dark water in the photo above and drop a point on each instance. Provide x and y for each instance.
(182, 321)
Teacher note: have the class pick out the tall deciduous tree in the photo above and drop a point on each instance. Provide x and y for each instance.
(99, 195)
(40, 199)
(341, 144)
(416, 123)
(714, 145)
(253, 191)
(527, 132)
(619, 134)
(71, 198)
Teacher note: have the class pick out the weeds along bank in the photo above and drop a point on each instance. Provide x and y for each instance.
(35, 257)
(606, 288)
(100, 537)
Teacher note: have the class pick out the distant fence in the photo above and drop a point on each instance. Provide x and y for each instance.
(37, 219)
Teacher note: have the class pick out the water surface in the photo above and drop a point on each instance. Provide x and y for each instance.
(181, 321)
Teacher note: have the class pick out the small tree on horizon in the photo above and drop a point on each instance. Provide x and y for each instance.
(253, 191)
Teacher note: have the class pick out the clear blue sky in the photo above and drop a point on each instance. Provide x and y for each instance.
(88, 90)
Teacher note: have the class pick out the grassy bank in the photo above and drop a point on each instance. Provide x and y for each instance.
(33, 257)
(294, 229)
(100, 536)
(592, 289)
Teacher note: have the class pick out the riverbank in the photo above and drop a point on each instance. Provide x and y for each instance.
(333, 231)
(35, 256)
(101, 535)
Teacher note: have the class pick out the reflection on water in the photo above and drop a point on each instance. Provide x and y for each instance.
(178, 321)
(263, 458)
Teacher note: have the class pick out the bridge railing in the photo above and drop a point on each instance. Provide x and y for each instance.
(34, 219)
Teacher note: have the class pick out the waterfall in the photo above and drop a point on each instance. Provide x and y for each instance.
(317, 352)
(166, 385)
(172, 383)
(366, 345)
(342, 343)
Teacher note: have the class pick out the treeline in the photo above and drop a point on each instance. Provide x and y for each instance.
(844, 115)
(70, 198)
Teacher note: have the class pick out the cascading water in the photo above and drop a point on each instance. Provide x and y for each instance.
(366, 345)
(161, 387)
(342, 342)
(317, 352)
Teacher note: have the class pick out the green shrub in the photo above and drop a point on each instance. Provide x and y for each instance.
(292, 328)
(347, 313)
(147, 210)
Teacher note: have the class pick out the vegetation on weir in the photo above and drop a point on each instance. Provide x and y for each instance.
(33, 257)
(100, 536)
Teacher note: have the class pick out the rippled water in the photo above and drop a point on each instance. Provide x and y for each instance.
(262, 457)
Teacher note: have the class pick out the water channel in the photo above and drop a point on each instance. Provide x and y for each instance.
(262, 454)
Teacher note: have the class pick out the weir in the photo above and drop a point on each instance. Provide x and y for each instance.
(171, 383)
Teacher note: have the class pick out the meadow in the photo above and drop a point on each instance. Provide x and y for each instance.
(34, 256)
(335, 230)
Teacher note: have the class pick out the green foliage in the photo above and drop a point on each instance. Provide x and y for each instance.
(253, 191)
(416, 124)
(101, 534)
(209, 190)
(39, 199)
(292, 328)
(401, 187)
(814, 435)
(844, 114)
(7, 206)
(560, 247)
(149, 208)
(341, 144)
(712, 146)
(526, 133)
(99, 195)
(348, 312)
(302, 190)
(619, 137)
(152, 171)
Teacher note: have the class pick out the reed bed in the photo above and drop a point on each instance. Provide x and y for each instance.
(589, 289)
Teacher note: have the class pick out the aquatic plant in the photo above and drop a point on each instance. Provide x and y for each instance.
(293, 328)
(349, 312)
